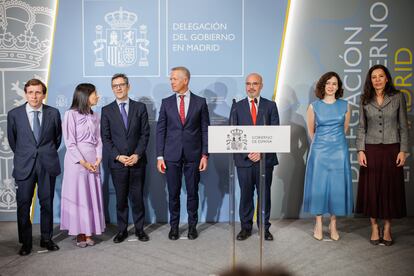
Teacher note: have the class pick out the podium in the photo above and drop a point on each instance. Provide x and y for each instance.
(246, 139)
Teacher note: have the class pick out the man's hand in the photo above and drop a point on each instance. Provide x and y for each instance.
(203, 164)
(161, 166)
(254, 156)
(123, 159)
(132, 160)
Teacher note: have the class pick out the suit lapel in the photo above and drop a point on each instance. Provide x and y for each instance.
(191, 107)
(386, 101)
(45, 123)
(172, 103)
(246, 110)
(118, 115)
(261, 113)
(26, 123)
(131, 112)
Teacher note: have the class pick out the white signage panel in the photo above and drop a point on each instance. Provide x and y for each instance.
(239, 139)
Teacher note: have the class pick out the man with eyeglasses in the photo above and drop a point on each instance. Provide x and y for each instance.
(182, 148)
(34, 132)
(254, 110)
(125, 134)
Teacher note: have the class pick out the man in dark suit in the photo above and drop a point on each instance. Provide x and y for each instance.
(34, 132)
(182, 147)
(253, 110)
(125, 133)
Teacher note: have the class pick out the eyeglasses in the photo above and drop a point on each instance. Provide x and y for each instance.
(121, 85)
(252, 83)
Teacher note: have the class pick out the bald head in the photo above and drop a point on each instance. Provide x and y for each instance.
(257, 75)
(254, 85)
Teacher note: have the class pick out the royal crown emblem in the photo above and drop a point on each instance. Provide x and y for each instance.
(119, 45)
(24, 34)
(236, 140)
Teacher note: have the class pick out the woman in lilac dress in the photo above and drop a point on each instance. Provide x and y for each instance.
(81, 203)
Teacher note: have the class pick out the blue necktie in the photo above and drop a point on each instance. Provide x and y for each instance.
(124, 115)
(36, 125)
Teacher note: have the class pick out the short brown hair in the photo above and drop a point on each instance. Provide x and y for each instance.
(35, 82)
(320, 86)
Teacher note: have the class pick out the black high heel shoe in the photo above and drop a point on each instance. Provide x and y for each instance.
(386, 242)
(376, 242)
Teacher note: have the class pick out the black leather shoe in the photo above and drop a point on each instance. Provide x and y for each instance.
(141, 235)
(192, 233)
(244, 234)
(49, 245)
(268, 236)
(120, 237)
(25, 250)
(173, 234)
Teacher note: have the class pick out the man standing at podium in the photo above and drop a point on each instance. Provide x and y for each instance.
(253, 110)
(182, 147)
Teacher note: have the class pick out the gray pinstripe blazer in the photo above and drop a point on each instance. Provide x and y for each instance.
(385, 124)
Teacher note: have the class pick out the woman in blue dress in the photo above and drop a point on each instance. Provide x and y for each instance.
(328, 179)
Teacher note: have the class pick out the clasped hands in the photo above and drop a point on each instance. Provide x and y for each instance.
(91, 167)
(254, 156)
(128, 160)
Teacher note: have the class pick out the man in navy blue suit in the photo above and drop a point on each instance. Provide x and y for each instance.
(182, 147)
(125, 134)
(34, 132)
(253, 110)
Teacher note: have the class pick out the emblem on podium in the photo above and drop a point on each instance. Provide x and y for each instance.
(236, 140)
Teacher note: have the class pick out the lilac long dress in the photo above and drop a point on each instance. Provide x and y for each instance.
(81, 203)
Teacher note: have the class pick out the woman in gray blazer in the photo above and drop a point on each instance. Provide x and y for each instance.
(382, 144)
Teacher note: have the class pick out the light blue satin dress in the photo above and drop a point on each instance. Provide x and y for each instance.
(328, 179)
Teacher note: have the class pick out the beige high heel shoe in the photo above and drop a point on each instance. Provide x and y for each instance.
(318, 235)
(333, 234)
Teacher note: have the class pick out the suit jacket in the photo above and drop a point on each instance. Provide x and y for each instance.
(23, 143)
(385, 124)
(266, 115)
(118, 140)
(174, 138)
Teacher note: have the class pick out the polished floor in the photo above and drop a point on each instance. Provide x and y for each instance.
(293, 248)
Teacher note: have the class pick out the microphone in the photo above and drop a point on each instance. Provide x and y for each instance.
(233, 113)
(255, 100)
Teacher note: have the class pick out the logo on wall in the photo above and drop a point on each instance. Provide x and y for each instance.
(25, 43)
(121, 44)
(236, 140)
(22, 43)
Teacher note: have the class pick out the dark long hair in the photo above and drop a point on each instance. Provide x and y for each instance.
(81, 95)
(369, 90)
(320, 86)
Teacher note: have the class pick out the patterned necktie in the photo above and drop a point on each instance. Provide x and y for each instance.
(36, 125)
(254, 112)
(124, 115)
(182, 109)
